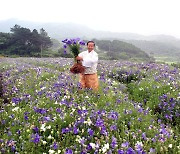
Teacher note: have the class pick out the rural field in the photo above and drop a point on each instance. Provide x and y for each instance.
(44, 110)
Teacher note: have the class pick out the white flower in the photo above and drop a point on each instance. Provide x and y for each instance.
(44, 142)
(43, 127)
(105, 148)
(83, 108)
(89, 122)
(15, 109)
(93, 145)
(170, 146)
(87, 97)
(51, 151)
(50, 137)
(43, 88)
(78, 139)
(48, 127)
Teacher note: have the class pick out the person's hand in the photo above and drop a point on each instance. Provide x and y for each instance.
(79, 58)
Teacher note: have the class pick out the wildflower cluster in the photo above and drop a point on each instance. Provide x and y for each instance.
(74, 45)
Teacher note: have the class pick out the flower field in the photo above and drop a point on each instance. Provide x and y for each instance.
(44, 110)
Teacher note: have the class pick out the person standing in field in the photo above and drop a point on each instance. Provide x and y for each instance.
(89, 59)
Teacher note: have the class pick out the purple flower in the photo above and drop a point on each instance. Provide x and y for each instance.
(46, 118)
(125, 144)
(36, 129)
(90, 131)
(69, 151)
(39, 110)
(54, 146)
(144, 136)
(26, 117)
(64, 46)
(99, 122)
(65, 130)
(82, 43)
(35, 138)
(75, 130)
(58, 110)
(13, 148)
(152, 150)
(114, 142)
(16, 100)
(104, 131)
(113, 115)
(89, 147)
(64, 41)
(113, 127)
(121, 152)
(130, 151)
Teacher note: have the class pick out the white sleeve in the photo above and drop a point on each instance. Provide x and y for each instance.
(89, 62)
(80, 54)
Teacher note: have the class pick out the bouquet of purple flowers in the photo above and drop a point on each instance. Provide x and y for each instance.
(74, 45)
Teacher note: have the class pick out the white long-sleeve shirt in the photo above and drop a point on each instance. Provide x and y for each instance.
(90, 60)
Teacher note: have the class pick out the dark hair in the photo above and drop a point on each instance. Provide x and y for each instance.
(90, 42)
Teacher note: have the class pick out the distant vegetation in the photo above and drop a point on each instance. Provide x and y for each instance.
(24, 42)
(157, 49)
(121, 50)
(114, 50)
(164, 48)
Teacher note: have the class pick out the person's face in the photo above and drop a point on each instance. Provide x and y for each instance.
(90, 46)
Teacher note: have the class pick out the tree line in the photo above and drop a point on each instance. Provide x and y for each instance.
(120, 50)
(24, 42)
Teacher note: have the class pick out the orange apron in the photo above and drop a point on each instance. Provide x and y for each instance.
(89, 81)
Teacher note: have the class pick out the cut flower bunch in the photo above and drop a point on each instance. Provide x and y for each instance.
(74, 45)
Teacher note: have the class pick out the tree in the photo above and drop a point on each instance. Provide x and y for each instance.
(45, 41)
(21, 41)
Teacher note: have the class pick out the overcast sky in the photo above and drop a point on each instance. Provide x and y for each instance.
(145, 17)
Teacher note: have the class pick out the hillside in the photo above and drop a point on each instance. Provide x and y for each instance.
(120, 50)
(156, 45)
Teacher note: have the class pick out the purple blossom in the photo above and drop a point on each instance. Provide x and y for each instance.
(35, 129)
(54, 146)
(130, 151)
(114, 142)
(65, 46)
(69, 151)
(125, 144)
(65, 130)
(26, 117)
(89, 147)
(90, 131)
(121, 152)
(35, 138)
(144, 136)
(113, 115)
(16, 100)
(152, 150)
(99, 122)
(75, 130)
(113, 127)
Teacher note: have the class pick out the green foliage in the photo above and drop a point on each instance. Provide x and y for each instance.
(46, 100)
(21, 41)
(125, 76)
(120, 50)
(177, 65)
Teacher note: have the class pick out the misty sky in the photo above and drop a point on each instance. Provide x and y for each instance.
(145, 17)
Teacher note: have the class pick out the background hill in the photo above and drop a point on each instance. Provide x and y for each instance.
(155, 45)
